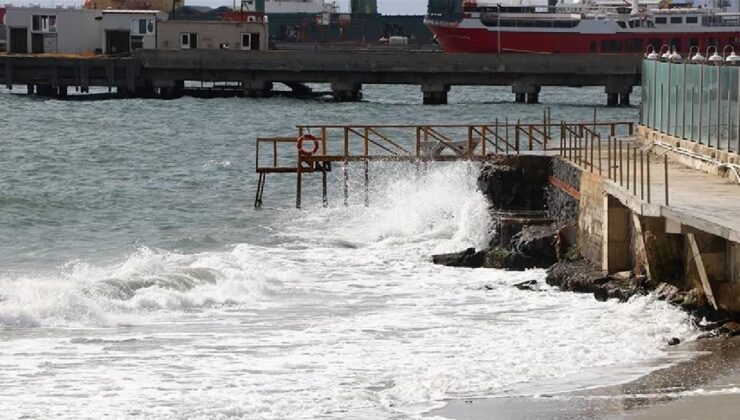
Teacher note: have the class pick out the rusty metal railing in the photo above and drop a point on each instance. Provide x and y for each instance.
(418, 143)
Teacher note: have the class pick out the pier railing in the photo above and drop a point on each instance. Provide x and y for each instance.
(634, 167)
(419, 143)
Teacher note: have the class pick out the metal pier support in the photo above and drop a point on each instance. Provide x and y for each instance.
(260, 190)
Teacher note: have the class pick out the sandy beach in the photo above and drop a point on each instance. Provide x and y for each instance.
(705, 387)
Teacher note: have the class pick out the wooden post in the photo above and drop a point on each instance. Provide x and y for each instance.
(531, 137)
(516, 136)
(592, 154)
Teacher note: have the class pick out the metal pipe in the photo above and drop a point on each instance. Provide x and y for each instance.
(367, 183)
(621, 178)
(628, 167)
(592, 154)
(701, 102)
(642, 176)
(345, 170)
(600, 162)
(665, 164)
(609, 157)
(634, 172)
(647, 170)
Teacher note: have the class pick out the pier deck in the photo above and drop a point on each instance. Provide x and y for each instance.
(414, 144)
(636, 175)
(163, 73)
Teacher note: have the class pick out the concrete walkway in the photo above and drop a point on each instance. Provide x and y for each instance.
(702, 201)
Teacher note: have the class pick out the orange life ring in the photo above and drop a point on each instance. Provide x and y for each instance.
(309, 137)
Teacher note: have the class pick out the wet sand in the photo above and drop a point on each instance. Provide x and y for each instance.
(705, 387)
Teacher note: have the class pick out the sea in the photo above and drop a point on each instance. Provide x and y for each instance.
(137, 280)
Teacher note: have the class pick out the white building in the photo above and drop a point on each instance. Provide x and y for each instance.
(69, 30)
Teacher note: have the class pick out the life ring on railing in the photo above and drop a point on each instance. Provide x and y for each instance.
(307, 137)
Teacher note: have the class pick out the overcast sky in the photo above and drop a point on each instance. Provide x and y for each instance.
(409, 7)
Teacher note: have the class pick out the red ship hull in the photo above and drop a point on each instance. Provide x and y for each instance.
(454, 39)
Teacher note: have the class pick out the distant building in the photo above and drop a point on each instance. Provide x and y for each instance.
(163, 5)
(213, 35)
(76, 31)
(3, 33)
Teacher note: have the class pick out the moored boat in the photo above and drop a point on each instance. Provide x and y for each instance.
(580, 28)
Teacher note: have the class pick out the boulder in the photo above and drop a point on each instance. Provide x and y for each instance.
(665, 291)
(582, 277)
(539, 243)
(469, 258)
(526, 285)
(505, 259)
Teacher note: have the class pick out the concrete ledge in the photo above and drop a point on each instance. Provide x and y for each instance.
(713, 158)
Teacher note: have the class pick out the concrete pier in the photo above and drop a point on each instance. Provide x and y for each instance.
(148, 72)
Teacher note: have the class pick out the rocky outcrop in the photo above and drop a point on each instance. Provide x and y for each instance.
(582, 277)
(468, 258)
(515, 183)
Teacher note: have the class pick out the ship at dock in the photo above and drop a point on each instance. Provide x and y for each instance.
(586, 27)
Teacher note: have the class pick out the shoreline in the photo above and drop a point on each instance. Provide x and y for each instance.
(705, 386)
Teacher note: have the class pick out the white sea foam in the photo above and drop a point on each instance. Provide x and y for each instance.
(347, 318)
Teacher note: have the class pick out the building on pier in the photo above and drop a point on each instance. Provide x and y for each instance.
(59, 30)
(213, 35)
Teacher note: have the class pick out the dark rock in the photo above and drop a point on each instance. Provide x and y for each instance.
(674, 341)
(515, 183)
(582, 277)
(730, 329)
(505, 259)
(538, 243)
(665, 291)
(468, 258)
(526, 285)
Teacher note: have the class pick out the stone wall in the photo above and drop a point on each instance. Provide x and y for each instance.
(591, 217)
(561, 206)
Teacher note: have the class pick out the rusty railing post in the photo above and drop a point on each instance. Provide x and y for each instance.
(345, 167)
(609, 157)
(601, 163)
(592, 154)
(621, 171)
(665, 164)
(628, 167)
(647, 170)
(634, 172)
(642, 175)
